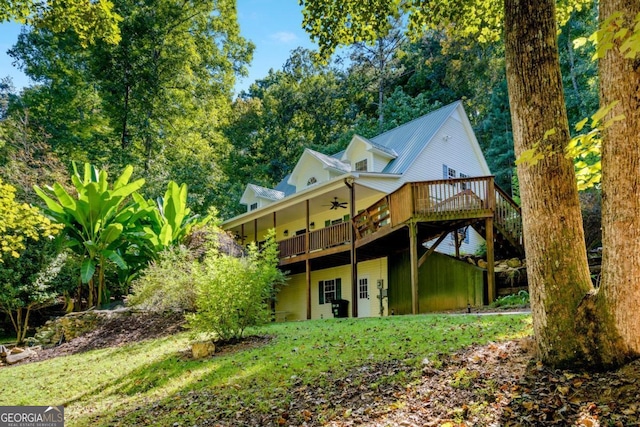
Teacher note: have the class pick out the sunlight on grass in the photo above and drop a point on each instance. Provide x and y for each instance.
(127, 385)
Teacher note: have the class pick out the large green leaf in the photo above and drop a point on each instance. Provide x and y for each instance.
(123, 179)
(51, 204)
(110, 234)
(63, 197)
(87, 270)
(166, 235)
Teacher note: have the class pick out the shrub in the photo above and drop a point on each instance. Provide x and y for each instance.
(514, 300)
(168, 283)
(235, 293)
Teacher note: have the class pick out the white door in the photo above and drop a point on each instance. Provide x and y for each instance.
(364, 295)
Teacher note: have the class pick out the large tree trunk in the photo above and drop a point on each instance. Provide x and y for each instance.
(620, 286)
(557, 266)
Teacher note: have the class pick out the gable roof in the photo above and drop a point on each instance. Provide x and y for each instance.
(330, 161)
(408, 140)
(263, 192)
(327, 162)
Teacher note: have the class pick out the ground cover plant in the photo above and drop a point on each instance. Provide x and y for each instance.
(155, 382)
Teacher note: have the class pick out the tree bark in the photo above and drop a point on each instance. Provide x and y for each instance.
(620, 286)
(557, 266)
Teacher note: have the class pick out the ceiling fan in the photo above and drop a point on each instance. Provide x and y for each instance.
(335, 204)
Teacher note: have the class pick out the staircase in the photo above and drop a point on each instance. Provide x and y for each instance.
(507, 222)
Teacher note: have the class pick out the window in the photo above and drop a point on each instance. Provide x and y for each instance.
(311, 181)
(361, 165)
(363, 288)
(329, 290)
(253, 206)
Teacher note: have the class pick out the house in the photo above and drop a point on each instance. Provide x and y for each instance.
(371, 225)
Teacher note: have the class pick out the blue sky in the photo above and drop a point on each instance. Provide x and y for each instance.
(274, 26)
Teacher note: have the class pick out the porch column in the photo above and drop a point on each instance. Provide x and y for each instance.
(491, 278)
(307, 266)
(242, 234)
(274, 221)
(354, 261)
(413, 254)
(255, 231)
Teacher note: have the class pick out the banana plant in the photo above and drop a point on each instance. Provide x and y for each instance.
(100, 222)
(171, 223)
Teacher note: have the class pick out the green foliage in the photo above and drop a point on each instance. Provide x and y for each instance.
(100, 223)
(29, 283)
(235, 293)
(170, 223)
(168, 283)
(520, 299)
(89, 20)
(20, 222)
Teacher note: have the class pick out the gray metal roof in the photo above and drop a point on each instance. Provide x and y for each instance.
(405, 142)
(285, 187)
(409, 139)
(331, 161)
(267, 193)
(390, 151)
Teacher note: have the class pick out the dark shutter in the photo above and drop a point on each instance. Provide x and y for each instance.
(338, 288)
(321, 292)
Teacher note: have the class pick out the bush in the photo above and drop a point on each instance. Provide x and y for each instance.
(520, 299)
(235, 293)
(167, 284)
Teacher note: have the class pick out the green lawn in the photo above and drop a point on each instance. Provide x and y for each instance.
(150, 383)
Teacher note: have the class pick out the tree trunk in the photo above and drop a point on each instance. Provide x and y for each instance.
(557, 266)
(620, 286)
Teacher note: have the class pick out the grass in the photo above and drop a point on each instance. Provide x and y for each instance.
(521, 299)
(127, 385)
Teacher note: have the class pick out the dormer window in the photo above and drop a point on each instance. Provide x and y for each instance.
(311, 181)
(253, 206)
(361, 166)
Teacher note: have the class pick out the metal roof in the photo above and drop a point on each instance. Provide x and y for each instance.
(330, 161)
(285, 187)
(409, 139)
(267, 193)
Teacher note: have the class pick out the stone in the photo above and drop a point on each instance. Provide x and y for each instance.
(202, 349)
(482, 263)
(16, 357)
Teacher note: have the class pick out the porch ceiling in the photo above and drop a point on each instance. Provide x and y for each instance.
(288, 212)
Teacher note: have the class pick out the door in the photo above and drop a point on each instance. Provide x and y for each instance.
(364, 301)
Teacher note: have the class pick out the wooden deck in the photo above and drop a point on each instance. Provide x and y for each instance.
(444, 202)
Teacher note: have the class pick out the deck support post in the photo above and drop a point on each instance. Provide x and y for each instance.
(306, 263)
(413, 254)
(242, 234)
(491, 278)
(349, 182)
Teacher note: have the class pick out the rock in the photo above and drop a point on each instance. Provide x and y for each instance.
(482, 263)
(3, 351)
(514, 263)
(471, 261)
(16, 357)
(202, 349)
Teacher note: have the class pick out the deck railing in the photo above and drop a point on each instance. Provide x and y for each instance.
(333, 235)
(508, 216)
(328, 237)
(292, 246)
(446, 199)
(429, 200)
